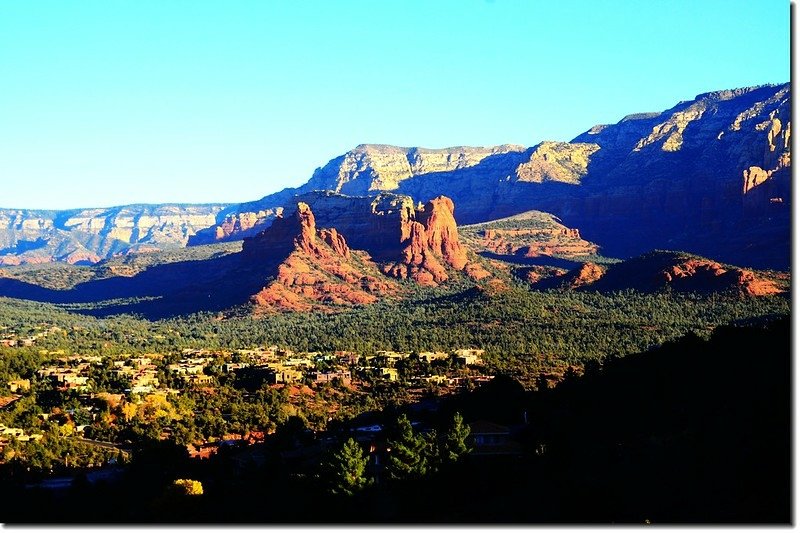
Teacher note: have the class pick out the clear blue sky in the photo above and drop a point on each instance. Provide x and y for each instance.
(107, 102)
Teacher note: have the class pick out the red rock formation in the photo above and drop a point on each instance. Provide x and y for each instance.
(317, 270)
(419, 245)
(752, 285)
(713, 276)
(529, 234)
(336, 241)
(476, 272)
(537, 242)
(692, 268)
(82, 257)
(544, 277)
(441, 232)
(428, 244)
(587, 274)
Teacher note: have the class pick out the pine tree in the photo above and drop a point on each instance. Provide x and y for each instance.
(345, 469)
(408, 452)
(454, 445)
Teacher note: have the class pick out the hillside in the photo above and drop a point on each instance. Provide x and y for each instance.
(676, 271)
(528, 236)
(710, 175)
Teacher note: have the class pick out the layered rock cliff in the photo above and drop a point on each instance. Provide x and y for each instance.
(89, 235)
(710, 175)
(378, 167)
(316, 270)
(528, 235)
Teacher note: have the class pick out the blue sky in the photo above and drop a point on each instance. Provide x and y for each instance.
(110, 102)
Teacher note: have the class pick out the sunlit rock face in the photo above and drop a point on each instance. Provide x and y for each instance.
(90, 235)
(316, 269)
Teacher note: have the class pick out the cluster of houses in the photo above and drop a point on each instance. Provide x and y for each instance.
(384, 364)
(141, 371)
(6, 433)
(71, 373)
(285, 366)
(191, 369)
(10, 338)
(275, 366)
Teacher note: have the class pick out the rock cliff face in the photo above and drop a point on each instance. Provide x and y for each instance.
(428, 244)
(326, 266)
(710, 175)
(237, 226)
(316, 269)
(376, 167)
(561, 162)
(89, 235)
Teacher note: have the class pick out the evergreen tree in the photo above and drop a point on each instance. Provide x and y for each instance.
(454, 444)
(345, 469)
(408, 452)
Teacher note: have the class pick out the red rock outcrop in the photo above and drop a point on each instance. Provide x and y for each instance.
(538, 273)
(537, 242)
(530, 234)
(428, 244)
(710, 275)
(542, 277)
(441, 232)
(82, 256)
(332, 238)
(752, 285)
(678, 271)
(316, 269)
(587, 274)
(476, 272)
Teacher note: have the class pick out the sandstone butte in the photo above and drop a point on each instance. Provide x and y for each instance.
(317, 269)
(537, 242)
(429, 243)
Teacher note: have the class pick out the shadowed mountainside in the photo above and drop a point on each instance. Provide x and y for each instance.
(710, 176)
(660, 270)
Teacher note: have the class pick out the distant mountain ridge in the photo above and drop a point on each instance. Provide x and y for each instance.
(711, 176)
(86, 236)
